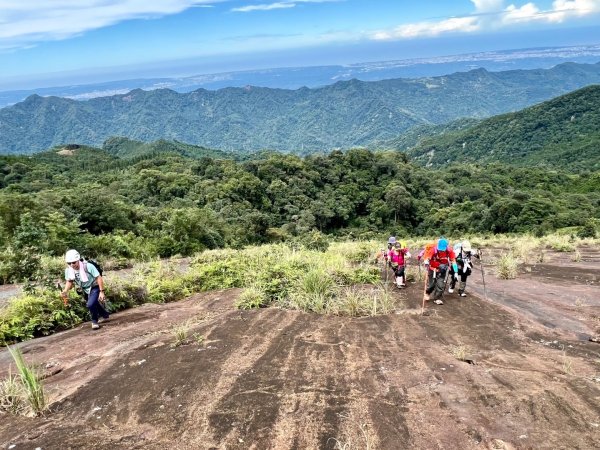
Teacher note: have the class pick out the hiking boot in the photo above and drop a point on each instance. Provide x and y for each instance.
(438, 302)
(451, 290)
(462, 294)
(95, 326)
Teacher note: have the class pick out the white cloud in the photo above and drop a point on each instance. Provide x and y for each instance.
(493, 14)
(566, 9)
(526, 13)
(264, 7)
(430, 29)
(23, 22)
(278, 5)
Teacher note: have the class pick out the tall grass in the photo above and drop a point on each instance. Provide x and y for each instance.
(506, 267)
(31, 382)
(12, 396)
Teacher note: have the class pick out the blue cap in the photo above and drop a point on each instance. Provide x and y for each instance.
(442, 244)
(392, 240)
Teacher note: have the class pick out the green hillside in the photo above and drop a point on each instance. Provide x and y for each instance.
(343, 115)
(128, 148)
(166, 204)
(563, 132)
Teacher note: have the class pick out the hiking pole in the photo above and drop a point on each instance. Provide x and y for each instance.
(482, 275)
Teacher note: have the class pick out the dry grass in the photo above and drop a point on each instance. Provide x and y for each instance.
(12, 396)
(359, 434)
(180, 334)
(506, 267)
(460, 351)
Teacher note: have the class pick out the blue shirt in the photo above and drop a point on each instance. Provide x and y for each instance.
(92, 274)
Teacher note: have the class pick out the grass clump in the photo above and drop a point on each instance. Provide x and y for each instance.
(561, 243)
(576, 257)
(506, 267)
(32, 386)
(312, 291)
(252, 297)
(12, 396)
(460, 351)
(526, 249)
(180, 334)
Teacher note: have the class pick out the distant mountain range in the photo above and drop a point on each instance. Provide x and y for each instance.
(560, 133)
(317, 76)
(343, 115)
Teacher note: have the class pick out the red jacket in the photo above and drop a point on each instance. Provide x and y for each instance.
(437, 258)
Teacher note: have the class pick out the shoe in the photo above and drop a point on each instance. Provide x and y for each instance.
(438, 302)
(104, 320)
(462, 294)
(95, 326)
(426, 297)
(451, 290)
(402, 285)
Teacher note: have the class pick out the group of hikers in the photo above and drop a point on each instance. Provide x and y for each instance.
(441, 261)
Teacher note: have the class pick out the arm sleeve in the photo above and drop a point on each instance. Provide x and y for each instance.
(67, 278)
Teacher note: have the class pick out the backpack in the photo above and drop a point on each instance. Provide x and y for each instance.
(96, 265)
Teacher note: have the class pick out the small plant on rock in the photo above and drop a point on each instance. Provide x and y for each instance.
(12, 395)
(31, 382)
(460, 352)
(180, 333)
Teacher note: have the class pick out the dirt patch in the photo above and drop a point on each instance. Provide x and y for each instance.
(273, 378)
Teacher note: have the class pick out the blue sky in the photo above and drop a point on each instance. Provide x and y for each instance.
(54, 42)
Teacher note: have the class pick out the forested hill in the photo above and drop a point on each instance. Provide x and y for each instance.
(342, 115)
(563, 132)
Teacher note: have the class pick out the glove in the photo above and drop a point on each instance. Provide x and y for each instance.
(455, 276)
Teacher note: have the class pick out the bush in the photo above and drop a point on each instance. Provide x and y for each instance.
(587, 231)
(38, 314)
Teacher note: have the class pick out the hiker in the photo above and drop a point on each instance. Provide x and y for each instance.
(464, 254)
(87, 277)
(437, 257)
(397, 260)
(385, 254)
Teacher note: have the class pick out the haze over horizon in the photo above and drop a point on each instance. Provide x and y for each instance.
(79, 42)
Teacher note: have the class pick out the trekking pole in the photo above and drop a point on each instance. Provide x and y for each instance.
(482, 275)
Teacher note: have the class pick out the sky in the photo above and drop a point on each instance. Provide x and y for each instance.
(60, 42)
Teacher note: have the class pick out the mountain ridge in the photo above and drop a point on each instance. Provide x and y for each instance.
(557, 133)
(343, 115)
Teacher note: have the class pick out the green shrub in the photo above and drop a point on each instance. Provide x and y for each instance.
(588, 230)
(252, 297)
(38, 314)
